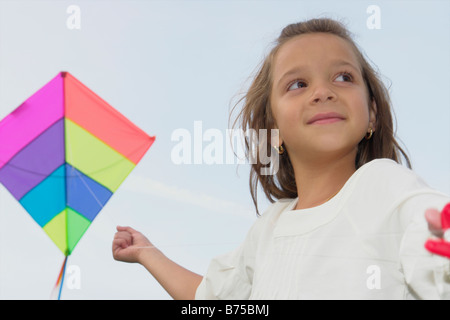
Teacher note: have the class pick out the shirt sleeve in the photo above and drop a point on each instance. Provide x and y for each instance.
(426, 275)
(230, 276)
(227, 278)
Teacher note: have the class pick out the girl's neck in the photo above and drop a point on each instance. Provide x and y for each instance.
(318, 182)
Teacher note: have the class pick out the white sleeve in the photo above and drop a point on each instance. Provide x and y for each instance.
(427, 276)
(228, 278)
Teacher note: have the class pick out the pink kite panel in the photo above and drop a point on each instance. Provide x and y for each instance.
(31, 118)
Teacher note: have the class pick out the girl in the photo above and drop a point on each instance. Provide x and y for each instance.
(348, 221)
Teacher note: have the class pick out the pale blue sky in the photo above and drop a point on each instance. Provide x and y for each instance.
(166, 64)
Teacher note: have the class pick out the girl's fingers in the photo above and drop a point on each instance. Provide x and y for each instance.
(120, 243)
(126, 229)
(439, 247)
(122, 238)
(433, 218)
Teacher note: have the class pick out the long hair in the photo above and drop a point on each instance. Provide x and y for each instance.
(256, 114)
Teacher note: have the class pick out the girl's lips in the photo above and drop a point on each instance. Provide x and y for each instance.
(325, 118)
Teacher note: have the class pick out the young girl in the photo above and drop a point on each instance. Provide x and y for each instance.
(349, 221)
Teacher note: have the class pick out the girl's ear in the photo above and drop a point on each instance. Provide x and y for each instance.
(276, 139)
(373, 113)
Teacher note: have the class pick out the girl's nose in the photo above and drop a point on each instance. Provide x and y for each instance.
(322, 93)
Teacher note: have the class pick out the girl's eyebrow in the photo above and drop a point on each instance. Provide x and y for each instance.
(289, 73)
(340, 63)
(334, 63)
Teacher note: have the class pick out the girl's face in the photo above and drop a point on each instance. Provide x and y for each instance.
(319, 99)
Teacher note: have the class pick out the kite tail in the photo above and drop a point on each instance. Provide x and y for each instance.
(56, 293)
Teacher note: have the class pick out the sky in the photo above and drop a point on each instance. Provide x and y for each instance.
(179, 66)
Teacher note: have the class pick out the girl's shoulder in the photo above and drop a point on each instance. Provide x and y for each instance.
(384, 183)
(385, 165)
(387, 172)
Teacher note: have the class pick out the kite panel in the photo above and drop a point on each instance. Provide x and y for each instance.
(94, 158)
(77, 225)
(31, 118)
(35, 161)
(66, 229)
(85, 195)
(56, 230)
(48, 198)
(95, 115)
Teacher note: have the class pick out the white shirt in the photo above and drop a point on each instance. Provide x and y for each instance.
(367, 242)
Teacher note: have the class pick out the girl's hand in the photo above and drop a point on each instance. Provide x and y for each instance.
(439, 226)
(433, 218)
(128, 244)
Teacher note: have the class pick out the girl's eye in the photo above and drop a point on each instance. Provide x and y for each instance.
(345, 76)
(297, 84)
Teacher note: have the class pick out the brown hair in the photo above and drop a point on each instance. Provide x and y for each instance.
(256, 114)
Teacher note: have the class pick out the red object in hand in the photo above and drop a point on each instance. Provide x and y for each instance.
(445, 217)
(441, 246)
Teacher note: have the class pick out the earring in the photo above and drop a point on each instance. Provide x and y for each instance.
(279, 149)
(369, 133)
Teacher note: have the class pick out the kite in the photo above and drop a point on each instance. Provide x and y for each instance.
(63, 153)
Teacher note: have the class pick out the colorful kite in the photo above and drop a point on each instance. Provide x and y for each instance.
(63, 153)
